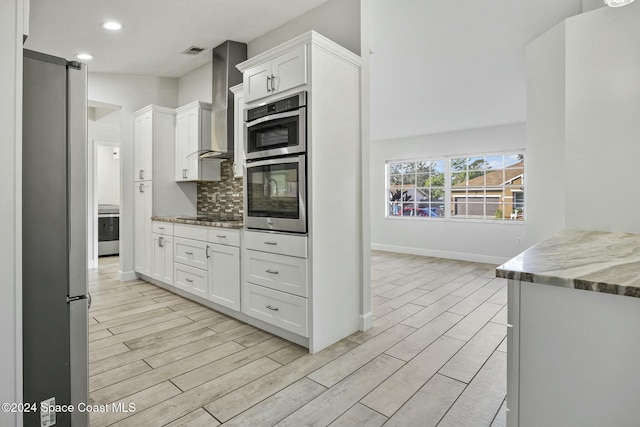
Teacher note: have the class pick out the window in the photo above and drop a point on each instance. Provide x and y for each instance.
(485, 187)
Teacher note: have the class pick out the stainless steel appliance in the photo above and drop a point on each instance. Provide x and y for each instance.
(54, 235)
(108, 229)
(225, 75)
(277, 128)
(276, 194)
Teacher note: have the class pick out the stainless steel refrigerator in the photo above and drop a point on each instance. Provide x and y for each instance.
(54, 237)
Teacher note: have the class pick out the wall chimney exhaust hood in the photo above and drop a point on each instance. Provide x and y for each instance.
(225, 75)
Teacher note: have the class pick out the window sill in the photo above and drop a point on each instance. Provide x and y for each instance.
(470, 220)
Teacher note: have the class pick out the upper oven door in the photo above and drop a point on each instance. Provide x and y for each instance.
(276, 135)
(275, 194)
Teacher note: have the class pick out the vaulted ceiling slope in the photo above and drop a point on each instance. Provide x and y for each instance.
(440, 66)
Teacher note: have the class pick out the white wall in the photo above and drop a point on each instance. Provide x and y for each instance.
(132, 93)
(108, 175)
(338, 20)
(11, 25)
(458, 239)
(603, 120)
(196, 85)
(546, 108)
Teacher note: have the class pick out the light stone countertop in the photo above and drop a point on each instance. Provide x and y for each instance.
(589, 260)
(236, 225)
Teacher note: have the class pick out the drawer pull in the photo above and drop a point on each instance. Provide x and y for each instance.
(189, 253)
(160, 228)
(271, 243)
(272, 271)
(272, 308)
(189, 280)
(221, 236)
(207, 251)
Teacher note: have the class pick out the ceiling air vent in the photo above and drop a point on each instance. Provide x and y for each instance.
(193, 50)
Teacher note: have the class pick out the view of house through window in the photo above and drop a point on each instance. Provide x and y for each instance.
(487, 187)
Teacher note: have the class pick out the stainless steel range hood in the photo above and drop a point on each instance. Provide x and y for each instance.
(225, 75)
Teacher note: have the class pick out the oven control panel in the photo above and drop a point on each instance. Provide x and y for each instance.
(287, 104)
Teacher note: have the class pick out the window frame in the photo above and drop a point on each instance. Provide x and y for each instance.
(448, 193)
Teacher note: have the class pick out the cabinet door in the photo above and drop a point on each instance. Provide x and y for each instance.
(143, 231)
(193, 145)
(255, 82)
(224, 275)
(238, 135)
(182, 146)
(143, 151)
(162, 269)
(290, 69)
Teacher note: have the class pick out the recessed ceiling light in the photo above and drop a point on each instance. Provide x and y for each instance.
(111, 25)
(84, 56)
(617, 3)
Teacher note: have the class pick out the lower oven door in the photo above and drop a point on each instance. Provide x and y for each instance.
(275, 194)
(108, 234)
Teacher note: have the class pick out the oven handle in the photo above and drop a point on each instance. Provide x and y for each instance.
(279, 161)
(275, 117)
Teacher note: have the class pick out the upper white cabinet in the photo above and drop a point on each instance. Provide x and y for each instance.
(143, 157)
(283, 72)
(238, 131)
(193, 134)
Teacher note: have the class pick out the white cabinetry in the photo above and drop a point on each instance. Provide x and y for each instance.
(312, 284)
(238, 131)
(278, 74)
(143, 206)
(155, 189)
(224, 275)
(274, 287)
(190, 259)
(193, 134)
(162, 263)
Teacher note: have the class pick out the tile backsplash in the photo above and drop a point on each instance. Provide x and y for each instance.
(223, 197)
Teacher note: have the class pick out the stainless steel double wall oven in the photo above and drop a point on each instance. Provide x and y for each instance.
(275, 142)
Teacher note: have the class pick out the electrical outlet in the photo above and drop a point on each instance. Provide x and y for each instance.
(518, 240)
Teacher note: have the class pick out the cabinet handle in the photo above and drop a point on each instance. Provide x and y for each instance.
(160, 242)
(189, 253)
(160, 228)
(207, 251)
(271, 243)
(272, 271)
(141, 174)
(141, 189)
(273, 79)
(272, 308)
(268, 82)
(221, 236)
(189, 280)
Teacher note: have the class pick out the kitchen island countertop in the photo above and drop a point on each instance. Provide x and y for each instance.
(222, 223)
(588, 260)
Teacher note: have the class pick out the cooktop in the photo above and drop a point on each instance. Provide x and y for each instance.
(210, 218)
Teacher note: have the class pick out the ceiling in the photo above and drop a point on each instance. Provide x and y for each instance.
(154, 31)
(442, 66)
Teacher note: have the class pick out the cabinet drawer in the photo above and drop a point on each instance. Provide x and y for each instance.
(280, 272)
(224, 236)
(284, 244)
(196, 232)
(277, 308)
(161, 227)
(192, 280)
(190, 252)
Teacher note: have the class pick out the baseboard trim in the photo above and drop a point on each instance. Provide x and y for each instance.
(461, 256)
(128, 275)
(366, 321)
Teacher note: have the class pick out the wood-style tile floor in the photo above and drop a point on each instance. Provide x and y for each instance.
(435, 356)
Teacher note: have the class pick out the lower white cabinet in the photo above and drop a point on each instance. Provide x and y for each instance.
(143, 210)
(224, 275)
(162, 269)
(192, 280)
(191, 252)
(279, 272)
(284, 310)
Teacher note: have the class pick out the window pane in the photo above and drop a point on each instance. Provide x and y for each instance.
(408, 180)
(494, 162)
(395, 179)
(408, 209)
(437, 194)
(438, 167)
(408, 167)
(476, 163)
(423, 180)
(395, 167)
(395, 209)
(458, 179)
(459, 164)
(476, 178)
(514, 160)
